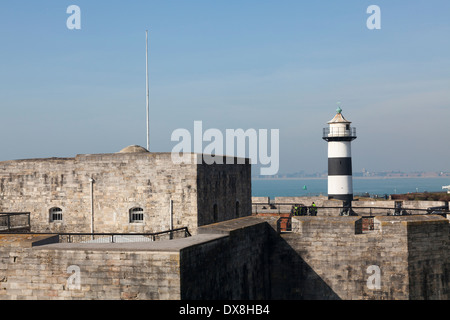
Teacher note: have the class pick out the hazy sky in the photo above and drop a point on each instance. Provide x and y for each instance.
(231, 64)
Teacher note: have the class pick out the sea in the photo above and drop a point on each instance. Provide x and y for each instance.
(361, 186)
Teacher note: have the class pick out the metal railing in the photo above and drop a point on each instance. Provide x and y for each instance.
(123, 237)
(279, 208)
(14, 221)
(339, 132)
(74, 237)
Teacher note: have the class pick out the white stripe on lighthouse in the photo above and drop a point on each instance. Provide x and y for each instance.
(340, 185)
(339, 149)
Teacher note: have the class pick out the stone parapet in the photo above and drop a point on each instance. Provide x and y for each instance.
(323, 258)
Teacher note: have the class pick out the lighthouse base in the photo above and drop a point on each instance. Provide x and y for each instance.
(346, 205)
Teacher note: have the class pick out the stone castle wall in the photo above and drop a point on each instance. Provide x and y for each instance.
(226, 186)
(123, 181)
(234, 267)
(211, 265)
(245, 258)
(91, 272)
(331, 258)
(428, 260)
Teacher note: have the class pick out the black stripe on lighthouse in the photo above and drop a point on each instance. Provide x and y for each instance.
(339, 166)
(344, 197)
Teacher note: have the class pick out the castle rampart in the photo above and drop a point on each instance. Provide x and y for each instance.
(331, 207)
(246, 258)
(331, 258)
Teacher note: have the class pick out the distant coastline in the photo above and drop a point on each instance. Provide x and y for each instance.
(375, 185)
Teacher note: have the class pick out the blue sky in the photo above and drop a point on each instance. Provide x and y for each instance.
(231, 64)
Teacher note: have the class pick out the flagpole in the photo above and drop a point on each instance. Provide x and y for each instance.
(147, 95)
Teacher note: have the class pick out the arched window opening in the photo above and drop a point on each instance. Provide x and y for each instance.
(56, 214)
(136, 215)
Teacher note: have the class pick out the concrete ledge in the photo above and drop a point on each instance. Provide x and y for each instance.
(167, 245)
(401, 224)
(226, 227)
(205, 234)
(325, 224)
(27, 240)
(415, 219)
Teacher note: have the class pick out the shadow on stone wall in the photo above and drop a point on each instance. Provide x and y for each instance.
(291, 277)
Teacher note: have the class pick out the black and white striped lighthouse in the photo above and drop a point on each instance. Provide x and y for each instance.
(339, 136)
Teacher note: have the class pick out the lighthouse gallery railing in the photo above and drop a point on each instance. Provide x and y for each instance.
(339, 132)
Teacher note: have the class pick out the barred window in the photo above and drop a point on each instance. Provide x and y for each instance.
(136, 215)
(56, 214)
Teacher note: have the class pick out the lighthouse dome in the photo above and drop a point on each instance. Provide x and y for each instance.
(338, 118)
